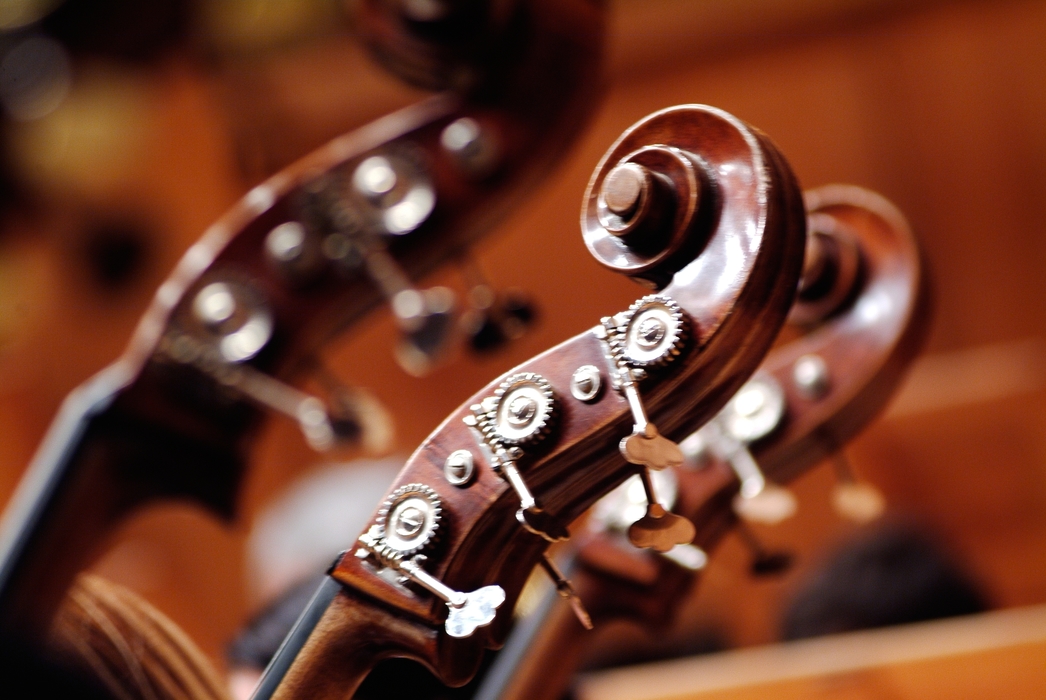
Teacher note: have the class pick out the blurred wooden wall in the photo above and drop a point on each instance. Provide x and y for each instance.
(941, 106)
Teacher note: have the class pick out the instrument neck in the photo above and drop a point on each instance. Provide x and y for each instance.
(336, 642)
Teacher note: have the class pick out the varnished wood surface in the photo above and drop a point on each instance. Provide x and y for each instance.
(934, 104)
(152, 426)
(866, 343)
(736, 293)
(998, 654)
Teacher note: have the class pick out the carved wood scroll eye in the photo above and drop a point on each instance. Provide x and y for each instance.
(728, 266)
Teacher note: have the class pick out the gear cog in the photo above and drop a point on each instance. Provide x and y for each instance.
(409, 519)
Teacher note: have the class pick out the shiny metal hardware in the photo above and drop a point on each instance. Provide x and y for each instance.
(566, 590)
(811, 376)
(472, 147)
(459, 468)
(654, 331)
(233, 318)
(408, 520)
(310, 412)
(398, 190)
(753, 413)
(524, 409)
(628, 503)
(586, 383)
(688, 556)
(650, 334)
(294, 250)
(466, 611)
(425, 317)
(286, 243)
(520, 412)
(387, 194)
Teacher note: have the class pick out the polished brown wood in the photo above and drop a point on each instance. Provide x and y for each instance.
(866, 345)
(149, 427)
(736, 293)
(985, 656)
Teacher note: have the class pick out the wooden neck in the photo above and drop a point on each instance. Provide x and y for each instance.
(336, 642)
(103, 457)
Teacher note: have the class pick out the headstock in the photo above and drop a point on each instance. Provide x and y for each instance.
(861, 315)
(301, 257)
(811, 395)
(542, 441)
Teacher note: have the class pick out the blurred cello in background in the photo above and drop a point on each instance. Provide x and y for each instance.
(301, 257)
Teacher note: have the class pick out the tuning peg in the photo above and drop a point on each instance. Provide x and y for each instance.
(659, 529)
(619, 509)
(228, 325)
(650, 334)
(494, 318)
(466, 611)
(521, 412)
(425, 318)
(427, 321)
(566, 590)
(855, 500)
(388, 195)
(753, 413)
(764, 562)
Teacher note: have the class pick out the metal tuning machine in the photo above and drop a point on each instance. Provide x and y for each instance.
(521, 413)
(857, 501)
(407, 524)
(616, 512)
(649, 335)
(754, 412)
(387, 195)
(228, 324)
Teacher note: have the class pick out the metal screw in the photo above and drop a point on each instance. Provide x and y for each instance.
(286, 242)
(811, 376)
(409, 522)
(374, 177)
(459, 468)
(214, 304)
(749, 401)
(521, 411)
(756, 410)
(586, 383)
(470, 145)
(651, 332)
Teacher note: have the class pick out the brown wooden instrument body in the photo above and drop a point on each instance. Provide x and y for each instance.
(148, 427)
(736, 292)
(866, 345)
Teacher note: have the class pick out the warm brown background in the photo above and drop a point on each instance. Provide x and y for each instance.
(941, 106)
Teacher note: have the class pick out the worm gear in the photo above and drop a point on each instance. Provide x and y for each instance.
(408, 521)
(523, 409)
(652, 332)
